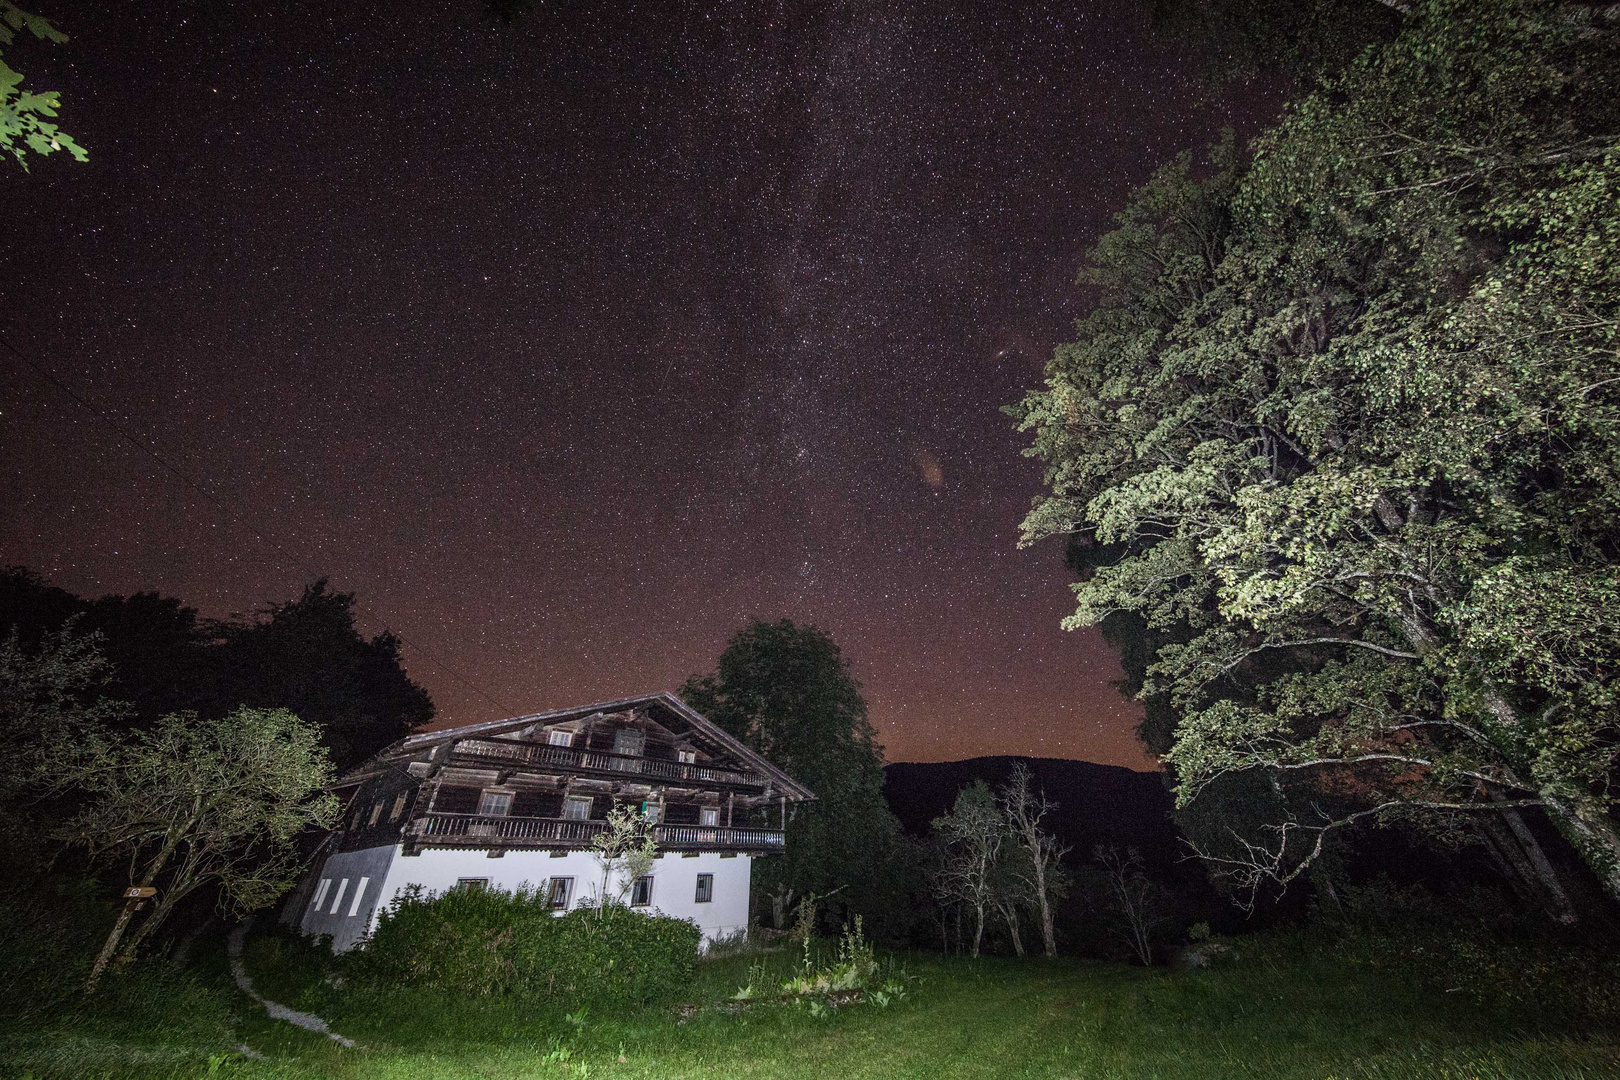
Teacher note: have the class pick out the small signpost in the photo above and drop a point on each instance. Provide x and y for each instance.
(139, 892)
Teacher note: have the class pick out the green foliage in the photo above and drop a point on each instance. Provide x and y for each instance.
(308, 656)
(625, 849)
(27, 119)
(1348, 417)
(48, 698)
(787, 692)
(197, 802)
(490, 942)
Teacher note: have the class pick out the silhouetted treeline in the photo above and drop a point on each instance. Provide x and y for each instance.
(305, 655)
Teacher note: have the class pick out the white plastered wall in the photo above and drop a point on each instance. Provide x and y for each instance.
(674, 883)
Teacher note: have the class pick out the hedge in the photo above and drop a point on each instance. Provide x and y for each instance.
(495, 942)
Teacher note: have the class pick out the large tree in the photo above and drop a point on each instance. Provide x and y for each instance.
(1349, 416)
(307, 655)
(786, 691)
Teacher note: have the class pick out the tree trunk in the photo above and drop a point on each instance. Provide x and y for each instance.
(1048, 939)
(109, 948)
(153, 868)
(1585, 822)
(1557, 901)
(1510, 859)
(1009, 915)
(978, 929)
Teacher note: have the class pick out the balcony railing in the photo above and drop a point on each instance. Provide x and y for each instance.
(440, 827)
(568, 757)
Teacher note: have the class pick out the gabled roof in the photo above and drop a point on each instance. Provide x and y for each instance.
(411, 744)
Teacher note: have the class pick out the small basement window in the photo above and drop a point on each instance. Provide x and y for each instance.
(709, 815)
(705, 889)
(399, 807)
(472, 884)
(376, 812)
(560, 738)
(641, 891)
(577, 808)
(562, 888)
(495, 804)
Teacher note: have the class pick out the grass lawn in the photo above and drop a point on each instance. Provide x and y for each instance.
(1284, 1008)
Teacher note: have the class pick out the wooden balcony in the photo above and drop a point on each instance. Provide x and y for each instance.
(575, 759)
(481, 831)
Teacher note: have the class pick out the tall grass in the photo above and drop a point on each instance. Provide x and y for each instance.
(1286, 1006)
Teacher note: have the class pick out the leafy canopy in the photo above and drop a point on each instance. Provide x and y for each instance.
(1347, 422)
(196, 802)
(786, 691)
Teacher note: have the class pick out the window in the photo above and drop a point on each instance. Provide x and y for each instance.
(399, 808)
(705, 889)
(560, 738)
(561, 889)
(628, 741)
(653, 812)
(709, 815)
(359, 894)
(687, 756)
(376, 812)
(495, 804)
(641, 892)
(577, 808)
(472, 884)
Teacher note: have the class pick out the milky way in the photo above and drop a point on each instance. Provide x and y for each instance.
(572, 345)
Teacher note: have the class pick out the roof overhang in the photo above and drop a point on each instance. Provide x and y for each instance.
(411, 745)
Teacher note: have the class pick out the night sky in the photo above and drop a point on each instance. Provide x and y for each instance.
(569, 346)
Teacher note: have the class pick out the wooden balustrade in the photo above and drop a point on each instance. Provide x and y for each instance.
(568, 757)
(438, 827)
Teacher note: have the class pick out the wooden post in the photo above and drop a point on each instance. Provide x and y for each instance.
(731, 801)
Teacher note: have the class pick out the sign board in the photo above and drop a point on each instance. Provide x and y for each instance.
(138, 892)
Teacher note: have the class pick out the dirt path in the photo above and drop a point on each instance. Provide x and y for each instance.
(277, 1011)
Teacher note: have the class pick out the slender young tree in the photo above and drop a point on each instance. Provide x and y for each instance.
(194, 802)
(1041, 867)
(624, 850)
(1136, 898)
(971, 837)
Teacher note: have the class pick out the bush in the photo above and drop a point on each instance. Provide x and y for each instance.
(494, 942)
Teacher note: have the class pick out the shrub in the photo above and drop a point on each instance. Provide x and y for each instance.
(495, 942)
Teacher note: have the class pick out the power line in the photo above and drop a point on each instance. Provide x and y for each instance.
(145, 447)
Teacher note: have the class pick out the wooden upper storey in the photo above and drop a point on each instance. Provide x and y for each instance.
(548, 780)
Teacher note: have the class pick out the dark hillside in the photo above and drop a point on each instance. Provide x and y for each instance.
(1096, 804)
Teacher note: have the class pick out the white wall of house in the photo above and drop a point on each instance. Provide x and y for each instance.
(332, 908)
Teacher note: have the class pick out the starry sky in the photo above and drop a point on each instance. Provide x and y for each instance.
(572, 345)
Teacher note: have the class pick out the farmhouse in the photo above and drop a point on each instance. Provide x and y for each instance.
(518, 801)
